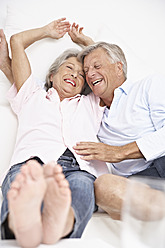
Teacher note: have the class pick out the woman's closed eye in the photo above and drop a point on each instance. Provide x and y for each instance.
(81, 74)
(68, 66)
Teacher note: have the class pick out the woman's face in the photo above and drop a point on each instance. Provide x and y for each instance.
(69, 80)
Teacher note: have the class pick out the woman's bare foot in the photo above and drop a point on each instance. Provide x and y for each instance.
(57, 205)
(25, 198)
(5, 61)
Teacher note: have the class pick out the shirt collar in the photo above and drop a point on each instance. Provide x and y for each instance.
(125, 87)
(52, 95)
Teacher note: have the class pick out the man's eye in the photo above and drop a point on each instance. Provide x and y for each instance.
(86, 71)
(97, 66)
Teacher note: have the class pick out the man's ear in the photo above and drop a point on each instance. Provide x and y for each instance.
(119, 68)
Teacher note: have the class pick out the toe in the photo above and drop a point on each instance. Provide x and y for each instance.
(58, 168)
(59, 177)
(48, 170)
(52, 168)
(34, 169)
(18, 182)
(63, 183)
(12, 194)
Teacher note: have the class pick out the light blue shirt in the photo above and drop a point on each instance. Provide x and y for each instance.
(137, 113)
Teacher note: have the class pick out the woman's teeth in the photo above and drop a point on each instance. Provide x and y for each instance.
(70, 82)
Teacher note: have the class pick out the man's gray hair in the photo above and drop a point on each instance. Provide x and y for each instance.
(56, 65)
(114, 52)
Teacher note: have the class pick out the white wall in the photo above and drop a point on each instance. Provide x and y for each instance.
(141, 23)
(3, 4)
(137, 23)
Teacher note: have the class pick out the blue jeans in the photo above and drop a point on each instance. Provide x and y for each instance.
(82, 189)
(156, 169)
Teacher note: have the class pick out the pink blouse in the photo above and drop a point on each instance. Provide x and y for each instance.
(46, 126)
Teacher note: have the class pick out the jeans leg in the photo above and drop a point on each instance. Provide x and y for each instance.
(156, 169)
(82, 190)
(83, 200)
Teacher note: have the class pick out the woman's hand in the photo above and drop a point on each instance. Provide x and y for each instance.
(78, 37)
(57, 29)
(19, 42)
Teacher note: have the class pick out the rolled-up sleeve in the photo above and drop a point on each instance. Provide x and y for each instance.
(152, 144)
(18, 98)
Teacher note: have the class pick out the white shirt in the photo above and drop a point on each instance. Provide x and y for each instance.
(46, 126)
(137, 114)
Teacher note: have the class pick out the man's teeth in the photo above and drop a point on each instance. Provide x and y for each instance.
(71, 82)
(97, 81)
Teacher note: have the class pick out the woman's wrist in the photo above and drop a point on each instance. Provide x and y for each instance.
(88, 41)
(45, 31)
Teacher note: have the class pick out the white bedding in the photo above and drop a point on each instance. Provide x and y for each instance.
(132, 24)
(97, 243)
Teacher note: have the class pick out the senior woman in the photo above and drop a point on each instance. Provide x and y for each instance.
(49, 124)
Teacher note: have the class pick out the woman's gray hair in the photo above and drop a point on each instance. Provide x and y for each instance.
(56, 65)
(114, 52)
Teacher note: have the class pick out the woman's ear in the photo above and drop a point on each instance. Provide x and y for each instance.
(51, 78)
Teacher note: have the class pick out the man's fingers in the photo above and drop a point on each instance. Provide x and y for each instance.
(80, 148)
(85, 145)
(90, 157)
(83, 152)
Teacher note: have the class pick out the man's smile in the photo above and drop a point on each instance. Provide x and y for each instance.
(97, 81)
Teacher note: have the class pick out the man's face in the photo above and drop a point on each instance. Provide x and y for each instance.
(101, 75)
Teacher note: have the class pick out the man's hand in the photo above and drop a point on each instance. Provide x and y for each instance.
(78, 37)
(107, 153)
(57, 29)
(98, 151)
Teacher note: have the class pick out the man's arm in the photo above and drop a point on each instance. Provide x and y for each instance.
(19, 42)
(107, 153)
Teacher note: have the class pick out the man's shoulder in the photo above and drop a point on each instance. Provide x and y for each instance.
(152, 77)
(149, 80)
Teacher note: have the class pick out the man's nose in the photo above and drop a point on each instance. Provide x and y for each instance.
(90, 72)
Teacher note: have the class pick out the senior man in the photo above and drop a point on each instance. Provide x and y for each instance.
(132, 133)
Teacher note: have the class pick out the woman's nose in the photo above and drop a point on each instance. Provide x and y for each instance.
(74, 74)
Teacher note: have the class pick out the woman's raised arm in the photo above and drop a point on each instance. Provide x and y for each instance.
(78, 37)
(19, 42)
